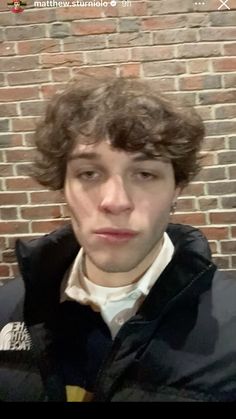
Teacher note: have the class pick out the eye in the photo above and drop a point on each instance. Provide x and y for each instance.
(144, 175)
(88, 175)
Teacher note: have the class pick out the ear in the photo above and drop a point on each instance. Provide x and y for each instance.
(177, 193)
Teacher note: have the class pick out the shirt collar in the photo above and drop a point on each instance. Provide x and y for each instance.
(81, 289)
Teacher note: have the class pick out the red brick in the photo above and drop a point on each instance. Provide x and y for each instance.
(69, 59)
(233, 258)
(29, 139)
(7, 48)
(206, 204)
(194, 189)
(227, 157)
(108, 56)
(228, 246)
(164, 84)
(232, 172)
(18, 63)
(230, 49)
(24, 124)
(198, 66)
(46, 226)
(2, 242)
(217, 34)
(221, 188)
(10, 198)
(221, 262)
(224, 64)
(18, 93)
(130, 70)
(211, 173)
(9, 256)
(102, 72)
(40, 212)
(205, 112)
(48, 197)
(36, 15)
(38, 46)
(174, 6)
(186, 204)
(223, 217)
(215, 233)
(94, 27)
(85, 43)
(207, 159)
(4, 271)
(24, 169)
(12, 140)
(213, 143)
(213, 246)
(229, 80)
(28, 77)
(207, 98)
(8, 110)
(175, 36)
(228, 202)
(198, 50)
(150, 53)
(33, 108)
(136, 9)
(13, 227)
(22, 184)
(6, 169)
(60, 74)
(48, 90)
(74, 13)
(156, 68)
(199, 82)
(128, 39)
(194, 219)
(225, 111)
(25, 32)
(233, 231)
(20, 155)
(163, 22)
(8, 213)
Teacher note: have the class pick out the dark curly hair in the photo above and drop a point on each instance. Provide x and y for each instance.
(131, 113)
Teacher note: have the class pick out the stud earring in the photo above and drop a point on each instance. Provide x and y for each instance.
(173, 207)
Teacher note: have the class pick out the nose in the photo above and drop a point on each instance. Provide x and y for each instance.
(115, 198)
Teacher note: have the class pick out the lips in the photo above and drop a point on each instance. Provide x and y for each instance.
(115, 235)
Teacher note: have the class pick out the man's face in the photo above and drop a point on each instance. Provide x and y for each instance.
(16, 4)
(120, 204)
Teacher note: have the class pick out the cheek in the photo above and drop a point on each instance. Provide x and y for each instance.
(152, 207)
(79, 203)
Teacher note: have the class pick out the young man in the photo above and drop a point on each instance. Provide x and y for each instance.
(122, 306)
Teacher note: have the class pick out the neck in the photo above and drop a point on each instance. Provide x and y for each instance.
(120, 279)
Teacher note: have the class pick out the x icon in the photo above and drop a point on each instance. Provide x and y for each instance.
(224, 3)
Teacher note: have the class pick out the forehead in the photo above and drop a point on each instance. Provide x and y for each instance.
(103, 152)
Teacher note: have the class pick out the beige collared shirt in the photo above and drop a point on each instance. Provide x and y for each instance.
(116, 304)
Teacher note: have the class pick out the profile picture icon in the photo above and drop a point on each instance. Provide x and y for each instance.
(17, 6)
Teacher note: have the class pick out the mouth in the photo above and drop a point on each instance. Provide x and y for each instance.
(115, 235)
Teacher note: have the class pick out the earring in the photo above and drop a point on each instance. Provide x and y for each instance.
(173, 207)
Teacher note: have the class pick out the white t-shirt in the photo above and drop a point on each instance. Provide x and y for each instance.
(116, 304)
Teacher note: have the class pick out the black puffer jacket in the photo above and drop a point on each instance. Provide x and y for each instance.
(180, 346)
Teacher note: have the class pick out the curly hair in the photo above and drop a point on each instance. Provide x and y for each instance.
(130, 113)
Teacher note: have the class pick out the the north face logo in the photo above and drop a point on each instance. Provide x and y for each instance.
(14, 336)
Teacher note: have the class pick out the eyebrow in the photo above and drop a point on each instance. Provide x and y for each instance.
(94, 156)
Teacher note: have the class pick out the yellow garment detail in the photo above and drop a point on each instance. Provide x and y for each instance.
(78, 394)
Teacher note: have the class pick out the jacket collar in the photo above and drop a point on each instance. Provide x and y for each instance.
(44, 261)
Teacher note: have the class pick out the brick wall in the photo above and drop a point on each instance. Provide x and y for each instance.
(190, 51)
